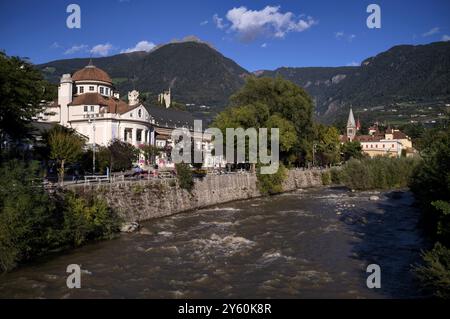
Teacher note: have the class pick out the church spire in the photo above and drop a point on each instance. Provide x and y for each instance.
(351, 119)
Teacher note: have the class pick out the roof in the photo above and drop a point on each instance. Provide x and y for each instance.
(91, 73)
(351, 119)
(114, 105)
(167, 117)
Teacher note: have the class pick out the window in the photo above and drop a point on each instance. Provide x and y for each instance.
(91, 88)
(81, 89)
(393, 145)
(140, 113)
(92, 108)
(107, 91)
(102, 90)
(85, 108)
(139, 135)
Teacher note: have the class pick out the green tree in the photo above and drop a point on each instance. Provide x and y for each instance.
(122, 155)
(27, 215)
(150, 152)
(328, 144)
(281, 97)
(22, 90)
(66, 146)
(351, 150)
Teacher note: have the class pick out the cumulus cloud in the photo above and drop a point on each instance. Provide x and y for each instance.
(269, 22)
(76, 49)
(431, 32)
(141, 46)
(218, 21)
(101, 49)
(445, 37)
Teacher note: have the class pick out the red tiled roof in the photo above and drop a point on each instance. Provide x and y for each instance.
(91, 73)
(113, 105)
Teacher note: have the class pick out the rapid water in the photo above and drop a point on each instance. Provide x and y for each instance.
(307, 244)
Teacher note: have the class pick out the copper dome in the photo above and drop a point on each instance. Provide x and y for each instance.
(91, 73)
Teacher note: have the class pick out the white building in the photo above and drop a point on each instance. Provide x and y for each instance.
(88, 102)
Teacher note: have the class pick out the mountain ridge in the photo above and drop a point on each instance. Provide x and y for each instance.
(199, 74)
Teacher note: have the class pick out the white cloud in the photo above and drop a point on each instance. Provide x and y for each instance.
(431, 32)
(102, 49)
(353, 63)
(250, 24)
(339, 34)
(219, 22)
(204, 22)
(264, 45)
(141, 46)
(76, 48)
(445, 37)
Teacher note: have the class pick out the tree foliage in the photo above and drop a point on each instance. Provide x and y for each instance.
(66, 146)
(22, 90)
(33, 223)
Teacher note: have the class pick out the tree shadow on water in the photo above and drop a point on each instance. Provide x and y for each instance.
(388, 235)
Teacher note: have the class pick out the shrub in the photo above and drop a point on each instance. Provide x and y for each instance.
(184, 176)
(435, 274)
(32, 223)
(326, 178)
(270, 184)
(377, 173)
(27, 214)
(88, 218)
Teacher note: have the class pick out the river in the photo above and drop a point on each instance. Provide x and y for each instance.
(312, 243)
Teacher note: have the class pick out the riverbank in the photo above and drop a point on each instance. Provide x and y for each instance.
(312, 243)
(137, 201)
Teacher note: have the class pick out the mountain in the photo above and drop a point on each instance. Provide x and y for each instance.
(400, 80)
(403, 83)
(196, 73)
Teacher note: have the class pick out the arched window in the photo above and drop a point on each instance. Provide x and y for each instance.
(140, 113)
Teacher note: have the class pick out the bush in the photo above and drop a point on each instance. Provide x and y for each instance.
(33, 224)
(184, 176)
(326, 178)
(335, 174)
(27, 215)
(377, 173)
(88, 219)
(270, 184)
(435, 274)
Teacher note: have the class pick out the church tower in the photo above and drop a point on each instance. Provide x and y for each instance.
(351, 126)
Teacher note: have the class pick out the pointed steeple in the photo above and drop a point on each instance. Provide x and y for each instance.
(351, 120)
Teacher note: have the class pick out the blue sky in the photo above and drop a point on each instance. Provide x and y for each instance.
(256, 34)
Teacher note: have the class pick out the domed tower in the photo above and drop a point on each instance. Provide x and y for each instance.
(92, 79)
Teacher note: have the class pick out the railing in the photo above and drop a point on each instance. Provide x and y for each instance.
(96, 178)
